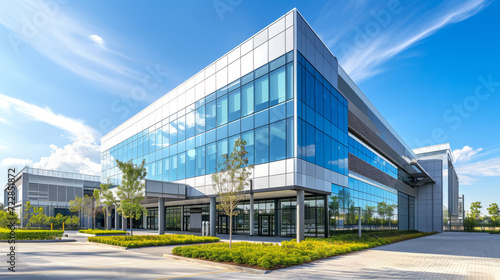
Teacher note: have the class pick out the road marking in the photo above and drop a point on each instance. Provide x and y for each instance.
(197, 274)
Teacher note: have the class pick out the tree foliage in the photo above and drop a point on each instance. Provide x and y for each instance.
(230, 181)
(131, 191)
(494, 211)
(475, 209)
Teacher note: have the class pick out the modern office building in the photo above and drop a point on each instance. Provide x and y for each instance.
(52, 190)
(319, 147)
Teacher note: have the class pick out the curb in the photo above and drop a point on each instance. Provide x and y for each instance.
(100, 235)
(41, 241)
(219, 265)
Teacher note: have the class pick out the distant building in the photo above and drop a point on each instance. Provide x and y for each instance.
(51, 190)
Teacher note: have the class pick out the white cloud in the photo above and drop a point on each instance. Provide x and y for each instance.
(489, 167)
(96, 39)
(77, 129)
(465, 154)
(82, 155)
(364, 36)
(16, 162)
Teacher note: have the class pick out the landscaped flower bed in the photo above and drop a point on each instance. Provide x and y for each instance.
(274, 256)
(152, 240)
(25, 234)
(102, 232)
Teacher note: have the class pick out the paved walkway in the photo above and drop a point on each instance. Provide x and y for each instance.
(442, 256)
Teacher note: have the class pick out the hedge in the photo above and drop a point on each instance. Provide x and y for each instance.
(495, 232)
(289, 253)
(152, 240)
(23, 234)
(102, 232)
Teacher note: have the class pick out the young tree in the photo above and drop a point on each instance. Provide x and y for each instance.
(390, 212)
(27, 213)
(475, 209)
(370, 210)
(88, 207)
(39, 218)
(131, 191)
(494, 211)
(6, 218)
(107, 199)
(333, 206)
(76, 205)
(230, 180)
(96, 202)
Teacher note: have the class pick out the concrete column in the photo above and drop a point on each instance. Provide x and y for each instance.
(327, 218)
(182, 218)
(161, 215)
(212, 215)
(116, 218)
(251, 214)
(300, 215)
(144, 221)
(124, 223)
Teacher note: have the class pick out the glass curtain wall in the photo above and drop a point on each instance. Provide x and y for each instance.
(379, 206)
(322, 120)
(257, 107)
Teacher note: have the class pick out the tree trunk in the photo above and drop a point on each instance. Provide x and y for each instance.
(131, 225)
(230, 229)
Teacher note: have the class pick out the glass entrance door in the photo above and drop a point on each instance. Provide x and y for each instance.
(223, 224)
(266, 225)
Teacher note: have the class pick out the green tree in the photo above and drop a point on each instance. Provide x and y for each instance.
(494, 211)
(390, 212)
(230, 180)
(6, 218)
(88, 207)
(369, 211)
(27, 209)
(131, 191)
(107, 199)
(333, 208)
(96, 202)
(39, 218)
(475, 209)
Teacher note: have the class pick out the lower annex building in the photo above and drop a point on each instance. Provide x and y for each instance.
(319, 147)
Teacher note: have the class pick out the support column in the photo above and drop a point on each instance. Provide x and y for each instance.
(300, 215)
(251, 214)
(182, 218)
(116, 218)
(161, 215)
(145, 221)
(327, 218)
(212, 216)
(124, 223)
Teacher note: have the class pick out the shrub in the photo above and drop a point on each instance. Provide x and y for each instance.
(152, 240)
(469, 224)
(289, 253)
(102, 232)
(495, 232)
(22, 234)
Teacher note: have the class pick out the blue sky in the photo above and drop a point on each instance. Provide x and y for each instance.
(73, 70)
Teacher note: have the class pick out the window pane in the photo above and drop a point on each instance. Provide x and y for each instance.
(211, 158)
(173, 132)
(190, 163)
(234, 105)
(210, 121)
(221, 150)
(247, 106)
(166, 169)
(289, 138)
(166, 136)
(261, 93)
(200, 120)
(181, 171)
(200, 161)
(190, 128)
(278, 140)
(262, 145)
(277, 85)
(173, 168)
(289, 81)
(222, 110)
(310, 144)
(181, 128)
(250, 146)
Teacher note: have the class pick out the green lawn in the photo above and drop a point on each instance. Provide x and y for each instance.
(289, 253)
(26, 234)
(102, 232)
(152, 240)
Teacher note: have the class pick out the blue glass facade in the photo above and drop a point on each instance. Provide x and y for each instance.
(362, 152)
(379, 205)
(258, 107)
(321, 120)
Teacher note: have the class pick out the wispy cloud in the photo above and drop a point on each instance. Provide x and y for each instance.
(76, 128)
(82, 155)
(71, 43)
(465, 154)
(365, 35)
